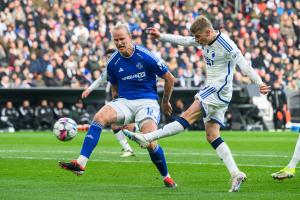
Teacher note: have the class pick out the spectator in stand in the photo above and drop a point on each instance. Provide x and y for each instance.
(44, 116)
(60, 110)
(26, 115)
(79, 113)
(5, 82)
(72, 36)
(10, 116)
(278, 99)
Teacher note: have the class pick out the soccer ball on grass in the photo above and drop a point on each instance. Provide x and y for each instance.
(65, 129)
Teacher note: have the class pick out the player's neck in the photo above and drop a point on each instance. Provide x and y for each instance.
(213, 36)
(129, 51)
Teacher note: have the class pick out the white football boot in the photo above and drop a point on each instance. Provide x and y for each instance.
(236, 180)
(136, 137)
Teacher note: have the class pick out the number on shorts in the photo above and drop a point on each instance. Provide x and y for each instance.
(150, 111)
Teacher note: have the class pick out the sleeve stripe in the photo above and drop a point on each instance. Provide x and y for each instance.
(147, 52)
(112, 56)
(110, 59)
(224, 44)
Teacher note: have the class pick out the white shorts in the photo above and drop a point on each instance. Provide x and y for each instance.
(129, 111)
(214, 109)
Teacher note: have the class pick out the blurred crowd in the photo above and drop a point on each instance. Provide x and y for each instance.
(61, 43)
(42, 116)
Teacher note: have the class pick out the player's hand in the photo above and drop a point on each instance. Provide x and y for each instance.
(167, 108)
(264, 89)
(154, 32)
(85, 93)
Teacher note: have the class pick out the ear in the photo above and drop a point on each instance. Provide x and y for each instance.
(208, 32)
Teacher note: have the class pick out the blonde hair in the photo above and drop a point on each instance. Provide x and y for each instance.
(200, 24)
(120, 25)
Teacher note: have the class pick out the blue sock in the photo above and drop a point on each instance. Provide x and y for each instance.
(91, 139)
(217, 142)
(158, 158)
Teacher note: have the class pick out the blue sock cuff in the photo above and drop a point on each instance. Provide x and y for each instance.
(183, 122)
(97, 124)
(155, 149)
(217, 142)
(116, 130)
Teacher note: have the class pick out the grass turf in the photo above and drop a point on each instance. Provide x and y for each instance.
(29, 168)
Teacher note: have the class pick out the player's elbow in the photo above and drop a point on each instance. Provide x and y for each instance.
(170, 79)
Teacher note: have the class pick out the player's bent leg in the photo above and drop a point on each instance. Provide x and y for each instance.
(193, 113)
(284, 173)
(91, 139)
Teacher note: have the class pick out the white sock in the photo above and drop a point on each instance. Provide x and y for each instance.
(224, 153)
(123, 141)
(82, 160)
(168, 175)
(296, 156)
(168, 130)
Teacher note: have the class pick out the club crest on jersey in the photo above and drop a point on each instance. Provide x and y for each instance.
(210, 57)
(139, 65)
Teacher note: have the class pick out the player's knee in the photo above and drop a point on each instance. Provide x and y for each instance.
(101, 118)
(152, 146)
(187, 116)
(211, 137)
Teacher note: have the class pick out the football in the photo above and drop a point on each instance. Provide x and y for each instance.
(65, 129)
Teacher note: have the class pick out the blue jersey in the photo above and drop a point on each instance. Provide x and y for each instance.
(135, 76)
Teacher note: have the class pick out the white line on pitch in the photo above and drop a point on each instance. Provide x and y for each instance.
(143, 162)
(144, 153)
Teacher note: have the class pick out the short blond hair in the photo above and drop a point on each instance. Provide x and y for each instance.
(200, 24)
(120, 25)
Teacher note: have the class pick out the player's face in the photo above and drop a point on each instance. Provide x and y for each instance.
(122, 40)
(203, 37)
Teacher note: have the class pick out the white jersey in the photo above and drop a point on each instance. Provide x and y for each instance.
(221, 57)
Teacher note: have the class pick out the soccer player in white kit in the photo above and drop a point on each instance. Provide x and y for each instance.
(221, 55)
(127, 151)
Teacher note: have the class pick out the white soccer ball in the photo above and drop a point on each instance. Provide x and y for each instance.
(65, 129)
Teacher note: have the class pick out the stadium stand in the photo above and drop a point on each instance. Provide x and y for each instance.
(62, 43)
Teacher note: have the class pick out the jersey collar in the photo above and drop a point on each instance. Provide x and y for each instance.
(215, 39)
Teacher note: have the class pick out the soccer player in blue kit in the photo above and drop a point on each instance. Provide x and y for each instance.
(132, 70)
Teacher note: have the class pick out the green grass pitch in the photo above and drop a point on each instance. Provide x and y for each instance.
(29, 170)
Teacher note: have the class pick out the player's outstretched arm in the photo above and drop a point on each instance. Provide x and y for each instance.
(248, 70)
(95, 84)
(86, 93)
(153, 32)
(168, 89)
(264, 89)
(175, 39)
